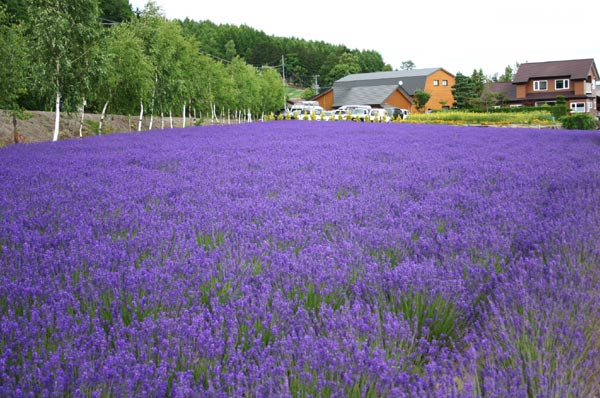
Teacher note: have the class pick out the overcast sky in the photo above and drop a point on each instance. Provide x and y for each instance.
(459, 35)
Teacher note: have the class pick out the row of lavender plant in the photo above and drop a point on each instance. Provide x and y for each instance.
(289, 259)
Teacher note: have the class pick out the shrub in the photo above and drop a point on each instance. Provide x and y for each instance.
(560, 109)
(579, 121)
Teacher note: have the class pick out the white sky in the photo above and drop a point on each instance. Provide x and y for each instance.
(459, 35)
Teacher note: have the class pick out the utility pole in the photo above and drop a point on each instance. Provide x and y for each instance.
(283, 78)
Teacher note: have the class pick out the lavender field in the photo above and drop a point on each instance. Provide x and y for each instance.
(302, 259)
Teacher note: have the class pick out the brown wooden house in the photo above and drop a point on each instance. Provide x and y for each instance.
(539, 83)
(391, 89)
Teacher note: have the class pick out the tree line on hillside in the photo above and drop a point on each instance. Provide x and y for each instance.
(102, 56)
(303, 60)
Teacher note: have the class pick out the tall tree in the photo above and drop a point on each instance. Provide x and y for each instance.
(463, 91)
(212, 84)
(245, 86)
(347, 64)
(271, 90)
(16, 10)
(509, 73)
(478, 79)
(370, 61)
(407, 65)
(112, 11)
(13, 66)
(63, 34)
(125, 74)
(230, 51)
(13, 62)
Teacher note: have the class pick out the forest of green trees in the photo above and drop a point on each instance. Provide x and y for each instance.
(108, 58)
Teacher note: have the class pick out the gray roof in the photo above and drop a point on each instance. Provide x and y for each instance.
(369, 95)
(374, 88)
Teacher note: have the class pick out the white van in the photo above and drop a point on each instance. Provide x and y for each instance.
(300, 111)
(350, 108)
(379, 115)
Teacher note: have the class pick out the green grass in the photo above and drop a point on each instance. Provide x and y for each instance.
(93, 125)
(292, 92)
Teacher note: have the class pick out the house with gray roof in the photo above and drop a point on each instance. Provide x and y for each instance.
(391, 89)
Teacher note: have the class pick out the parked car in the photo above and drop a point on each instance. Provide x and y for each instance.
(379, 115)
(341, 114)
(353, 107)
(327, 115)
(360, 113)
(394, 113)
(304, 112)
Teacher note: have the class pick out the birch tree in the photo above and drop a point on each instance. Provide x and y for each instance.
(271, 90)
(125, 73)
(245, 86)
(13, 65)
(63, 34)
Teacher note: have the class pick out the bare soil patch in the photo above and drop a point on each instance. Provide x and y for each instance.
(38, 126)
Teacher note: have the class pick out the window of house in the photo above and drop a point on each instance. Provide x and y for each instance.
(577, 106)
(562, 84)
(542, 103)
(444, 82)
(540, 85)
(436, 82)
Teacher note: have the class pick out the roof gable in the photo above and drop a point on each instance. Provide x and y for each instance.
(507, 88)
(412, 80)
(395, 74)
(577, 69)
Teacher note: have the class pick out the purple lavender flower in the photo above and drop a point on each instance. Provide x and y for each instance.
(292, 259)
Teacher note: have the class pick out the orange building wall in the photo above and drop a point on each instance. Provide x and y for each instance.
(326, 100)
(441, 92)
(398, 100)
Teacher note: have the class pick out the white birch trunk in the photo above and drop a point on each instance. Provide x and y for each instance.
(56, 117)
(83, 103)
(152, 101)
(171, 118)
(102, 116)
(141, 115)
(213, 112)
(162, 120)
(184, 115)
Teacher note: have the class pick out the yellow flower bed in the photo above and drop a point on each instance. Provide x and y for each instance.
(485, 119)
